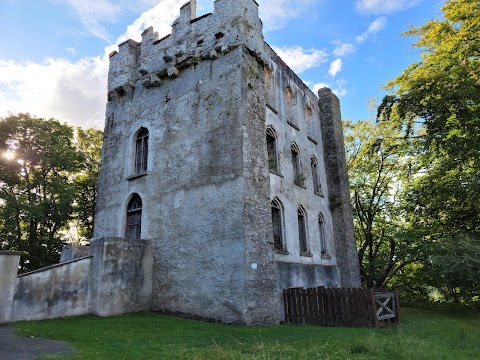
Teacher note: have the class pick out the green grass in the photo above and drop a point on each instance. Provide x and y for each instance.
(422, 335)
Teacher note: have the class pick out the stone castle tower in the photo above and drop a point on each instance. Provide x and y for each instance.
(219, 154)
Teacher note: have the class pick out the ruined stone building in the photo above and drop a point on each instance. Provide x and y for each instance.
(217, 153)
(223, 182)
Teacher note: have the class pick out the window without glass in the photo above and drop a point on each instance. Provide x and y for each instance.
(317, 187)
(277, 223)
(323, 242)
(272, 150)
(302, 231)
(297, 173)
(134, 218)
(141, 151)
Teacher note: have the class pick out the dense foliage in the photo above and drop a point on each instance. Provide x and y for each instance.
(438, 207)
(41, 173)
(379, 162)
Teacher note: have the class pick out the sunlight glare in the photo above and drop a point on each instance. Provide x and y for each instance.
(9, 155)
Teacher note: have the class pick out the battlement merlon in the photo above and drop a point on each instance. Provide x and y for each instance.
(188, 12)
(233, 23)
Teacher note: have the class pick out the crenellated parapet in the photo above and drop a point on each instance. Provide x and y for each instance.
(149, 63)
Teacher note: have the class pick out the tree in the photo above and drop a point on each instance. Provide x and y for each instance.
(443, 89)
(441, 93)
(378, 162)
(89, 145)
(35, 191)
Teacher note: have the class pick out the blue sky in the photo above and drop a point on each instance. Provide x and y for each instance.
(53, 53)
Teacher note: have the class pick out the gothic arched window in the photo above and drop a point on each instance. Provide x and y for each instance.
(302, 230)
(272, 150)
(277, 223)
(141, 151)
(134, 218)
(317, 187)
(298, 177)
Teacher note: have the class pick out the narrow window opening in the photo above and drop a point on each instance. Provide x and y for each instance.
(141, 151)
(272, 150)
(323, 242)
(277, 223)
(134, 218)
(317, 187)
(298, 177)
(302, 231)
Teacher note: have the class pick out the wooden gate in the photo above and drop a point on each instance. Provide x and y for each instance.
(341, 307)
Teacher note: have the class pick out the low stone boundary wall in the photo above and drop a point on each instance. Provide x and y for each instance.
(121, 276)
(57, 291)
(9, 261)
(116, 278)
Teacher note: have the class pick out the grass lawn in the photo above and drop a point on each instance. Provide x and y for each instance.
(422, 335)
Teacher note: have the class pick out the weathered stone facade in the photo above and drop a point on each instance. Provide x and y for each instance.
(185, 165)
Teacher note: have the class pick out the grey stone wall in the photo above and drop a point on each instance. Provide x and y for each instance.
(339, 193)
(206, 93)
(72, 252)
(260, 287)
(121, 276)
(206, 234)
(9, 261)
(209, 217)
(58, 291)
(308, 137)
(291, 275)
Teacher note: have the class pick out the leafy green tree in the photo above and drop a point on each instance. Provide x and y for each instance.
(443, 89)
(455, 267)
(441, 93)
(36, 194)
(89, 145)
(378, 162)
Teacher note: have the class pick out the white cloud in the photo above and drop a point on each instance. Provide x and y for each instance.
(300, 59)
(159, 17)
(69, 91)
(343, 49)
(319, 86)
(93, 12)
(275, 14)
(376, 26)
(339, 90)
(75, 92)
(335, 67)
(71, 51)
(379, 7)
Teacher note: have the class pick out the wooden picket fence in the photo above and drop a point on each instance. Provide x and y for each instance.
(341, 307)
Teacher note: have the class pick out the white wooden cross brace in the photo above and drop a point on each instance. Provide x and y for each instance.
(383, 307)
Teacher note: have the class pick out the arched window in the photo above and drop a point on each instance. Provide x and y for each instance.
(298, 177)
(302, 230)
(272, 150)
(277, 223)
(141, 151)
(321, 233)
(317, 187)
(134, 218)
